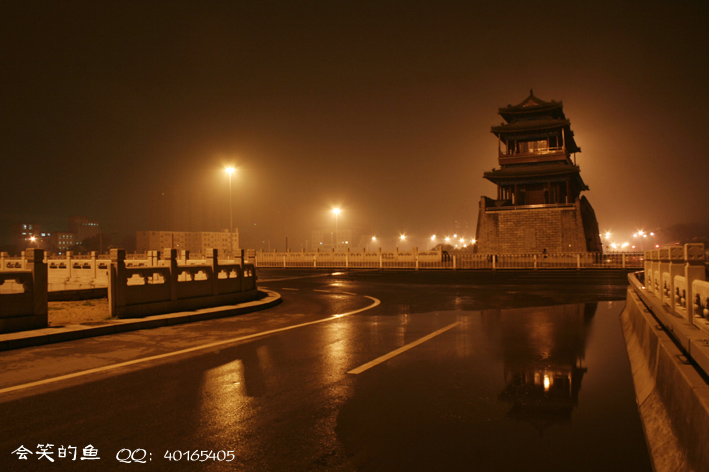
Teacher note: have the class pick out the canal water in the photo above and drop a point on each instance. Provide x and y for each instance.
(523, 389)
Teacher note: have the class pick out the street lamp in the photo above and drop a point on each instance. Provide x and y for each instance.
(230, 170)
(336, 211)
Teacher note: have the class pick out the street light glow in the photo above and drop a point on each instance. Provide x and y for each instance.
(229, 170)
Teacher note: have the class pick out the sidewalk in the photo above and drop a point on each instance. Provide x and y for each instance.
(58, 334)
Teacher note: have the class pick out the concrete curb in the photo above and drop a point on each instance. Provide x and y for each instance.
(43, 336)
(672, 397)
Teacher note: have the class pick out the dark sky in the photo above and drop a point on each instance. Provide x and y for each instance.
(383, 108)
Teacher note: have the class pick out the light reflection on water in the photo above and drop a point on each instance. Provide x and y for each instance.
(543, 388)
(543, 352)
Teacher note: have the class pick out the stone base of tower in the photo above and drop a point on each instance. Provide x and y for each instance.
(536, 229)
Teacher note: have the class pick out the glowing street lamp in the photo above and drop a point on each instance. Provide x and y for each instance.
(336, 211)
(230, 170)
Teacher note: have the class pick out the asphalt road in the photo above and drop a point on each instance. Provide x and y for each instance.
(367, 370)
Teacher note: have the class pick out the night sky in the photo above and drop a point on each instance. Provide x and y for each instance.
(127, 112)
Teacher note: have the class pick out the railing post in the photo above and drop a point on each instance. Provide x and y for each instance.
(694, 270)
(69, 256)
(578, 261)
(93, 266)
(494, 262)
(647, 266)
(535, 262)
(117, 282)
(676, 267)
(184, 256)
(170, 257)
(655, 267)
(212, 256)
(35, 263)
(664, 268)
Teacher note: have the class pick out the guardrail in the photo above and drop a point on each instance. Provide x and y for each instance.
(674, 287)
(79, 272)
(666, 329)
(443, 260)
(164, 286)
(23, 303)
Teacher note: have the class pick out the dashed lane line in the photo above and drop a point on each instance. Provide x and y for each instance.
(402, 349)
(375, 302)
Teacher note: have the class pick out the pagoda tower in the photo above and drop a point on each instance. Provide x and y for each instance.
(539, 207)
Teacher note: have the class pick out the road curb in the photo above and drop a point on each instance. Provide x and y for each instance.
(59, 334)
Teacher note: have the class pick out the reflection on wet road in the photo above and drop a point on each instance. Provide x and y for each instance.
(439, 376)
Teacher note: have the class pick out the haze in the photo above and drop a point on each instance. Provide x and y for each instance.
(383, 109)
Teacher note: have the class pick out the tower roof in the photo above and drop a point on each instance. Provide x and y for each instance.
(532, 107)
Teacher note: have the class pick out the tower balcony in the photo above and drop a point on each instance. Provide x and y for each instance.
(543, 154)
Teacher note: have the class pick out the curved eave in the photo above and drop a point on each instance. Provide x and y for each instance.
(556, 109)
(531, 173)
(530, 126)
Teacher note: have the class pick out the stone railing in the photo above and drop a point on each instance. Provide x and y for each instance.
(676, 276)
(82, 272)
(23, 305)
(68, 272)
(415, 259)
(153, 286)
(674, 287)
(667, 336)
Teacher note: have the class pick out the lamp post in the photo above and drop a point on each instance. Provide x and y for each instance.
(336, 211)
(230, 170)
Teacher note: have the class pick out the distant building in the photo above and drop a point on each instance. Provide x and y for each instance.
(26, 235)
(61, 241)
(83, 228)
(539, 207)
(325, 239)
(193, 241)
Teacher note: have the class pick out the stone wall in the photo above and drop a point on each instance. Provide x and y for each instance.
(672, 396)
(524, 230)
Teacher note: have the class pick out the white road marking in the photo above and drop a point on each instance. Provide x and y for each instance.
(375, 303)
(405, 348)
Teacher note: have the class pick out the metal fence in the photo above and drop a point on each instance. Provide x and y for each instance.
(438, 260)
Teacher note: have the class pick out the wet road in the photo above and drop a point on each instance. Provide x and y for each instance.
(353, 371)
